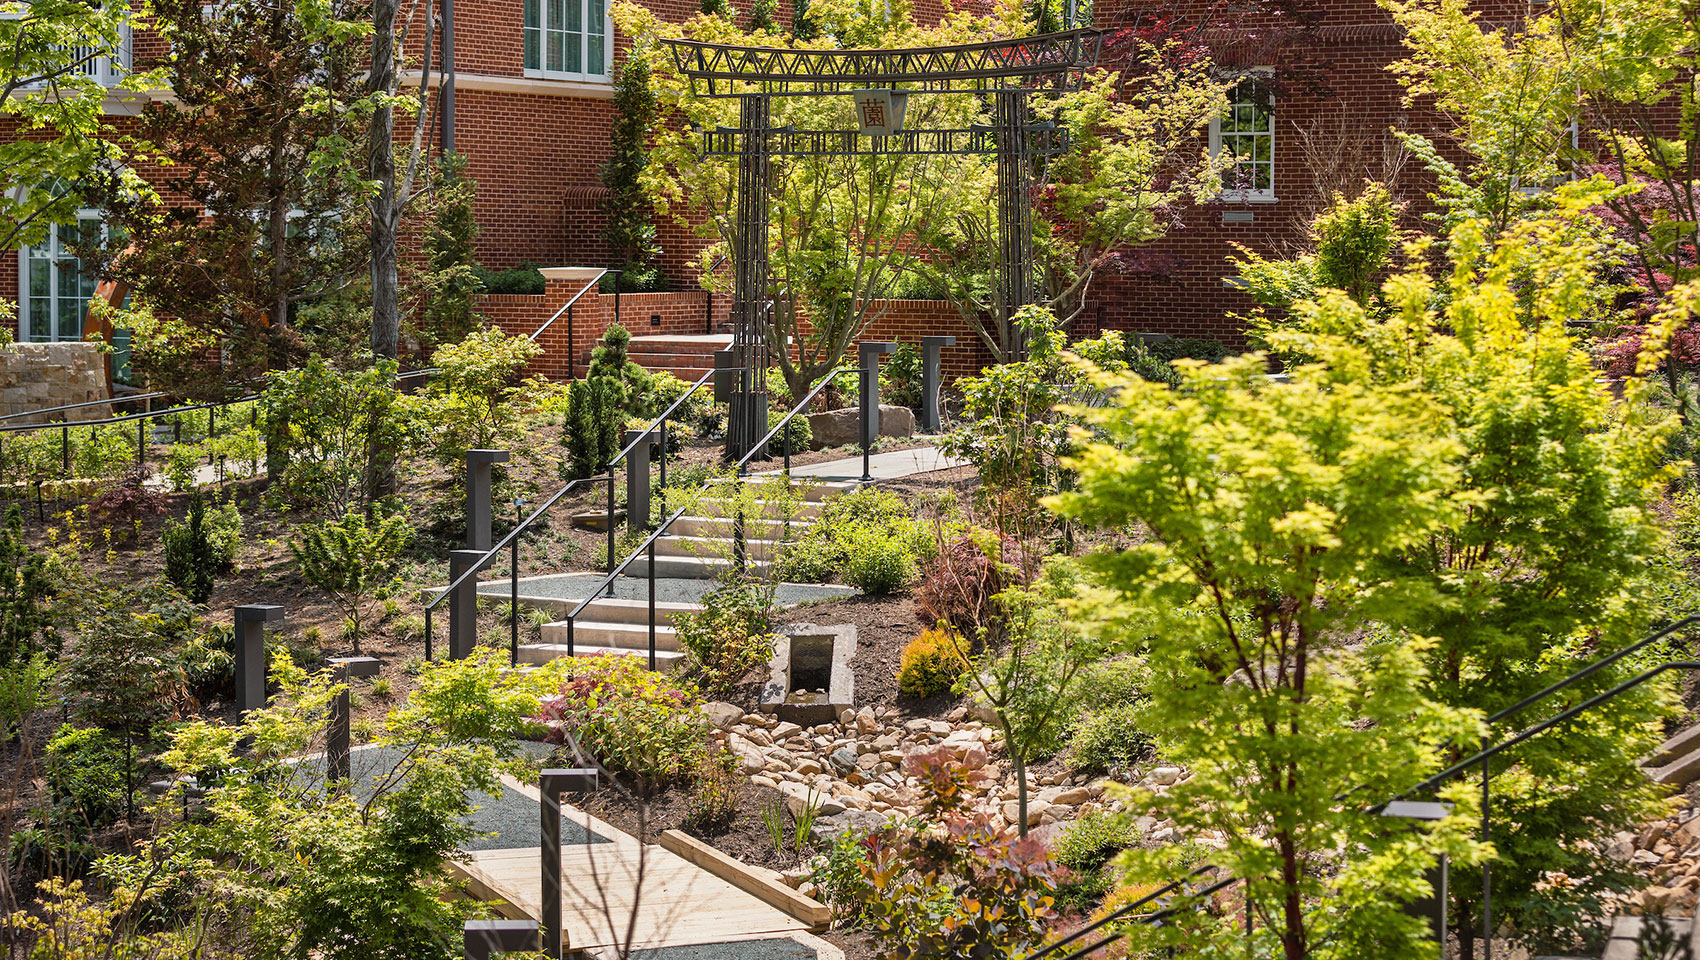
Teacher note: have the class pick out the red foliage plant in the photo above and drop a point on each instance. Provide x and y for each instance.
(962, 580)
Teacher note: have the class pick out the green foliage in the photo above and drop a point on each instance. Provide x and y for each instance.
(630, 232)
(872, 536)
(1353, 240)
(354, 559)
(962, 580)
(28, 595)
(730, 636)
(613, 388)
(523, 278)
(838, 875)
(714, 791)
(202, 549)
(85, 777)
(881, 561)
(331, 430)
(955, 893)
(1089, 842)
(634, 722)
(1107, 740)
(761, 15)
(1277, 516)
(449, 277)
(797, 435)
(476, 401)
(25, 687)
(931, 663)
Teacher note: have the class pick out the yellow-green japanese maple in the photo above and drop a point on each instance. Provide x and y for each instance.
(1273, 517)
(1556, 561)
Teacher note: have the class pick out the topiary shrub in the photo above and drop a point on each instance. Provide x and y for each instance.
(801, 436)
(931, 664)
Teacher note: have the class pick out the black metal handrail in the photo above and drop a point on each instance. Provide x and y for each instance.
(568, 310)
(489, 555)
(761, 445)
(132, 398)
(608, 582)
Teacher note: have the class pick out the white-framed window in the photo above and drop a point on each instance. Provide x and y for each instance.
(1245, 135)
(106, 68)
(55, 285)
(569, 40)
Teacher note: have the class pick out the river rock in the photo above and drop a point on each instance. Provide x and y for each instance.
(723, 715)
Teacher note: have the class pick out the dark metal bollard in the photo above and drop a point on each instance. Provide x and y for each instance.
(553, 783)
(486, 937)
(869, 355)
(251, 623)
(930, 347)
(637, 480)
(337, 734)
(478, 463)
(463, 604)
(1433, 907)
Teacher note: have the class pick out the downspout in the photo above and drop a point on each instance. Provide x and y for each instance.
(448, 84)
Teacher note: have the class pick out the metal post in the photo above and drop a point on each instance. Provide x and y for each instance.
(463, 604)
(478, 470)
(65, 446)
(652, 604)
(637, 480)
(251, 623)
(930, 347)
(141, 444)
(447, 93)
(747, 415)
(612, 560)
(337, 734)
(1487, 869)
(513, 587)
(486, 937)
(553, 783)
(570, 358)
(1015, 212)
(1433, 907)
(663, 466)
(428, 634)
(869, 354)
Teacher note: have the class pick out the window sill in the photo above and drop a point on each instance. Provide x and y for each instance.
(1240, 198)
(536, 86)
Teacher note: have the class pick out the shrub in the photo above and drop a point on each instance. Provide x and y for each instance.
(85, 777)
(714, 795)
(124, 505)
(1107, 740)
(810, 560)
(962, 579)
(597, 406)
(24, 688)
(523, 278)
(475, 401)
(1089, 842)
(209, 662)
(355, 560)
(202, 549)
(931, 664)
(880, 561)
(27, 595)
(838, 874)
(797, 430)
(730, 636)
(332, 431)
(636, 722)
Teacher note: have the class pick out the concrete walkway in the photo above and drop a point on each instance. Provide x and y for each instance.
(891, 465)
(680, 909)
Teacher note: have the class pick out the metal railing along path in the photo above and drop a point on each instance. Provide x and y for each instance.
(568, 312)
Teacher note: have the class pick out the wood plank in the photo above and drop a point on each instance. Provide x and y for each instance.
(775, 894)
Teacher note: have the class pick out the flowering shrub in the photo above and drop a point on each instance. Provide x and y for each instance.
(632, 720)
(931, 664)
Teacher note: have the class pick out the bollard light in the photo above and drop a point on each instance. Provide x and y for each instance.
(250, 638)
(337, 735)
(552, 783)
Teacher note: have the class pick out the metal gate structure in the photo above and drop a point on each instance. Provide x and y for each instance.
(1006, 70)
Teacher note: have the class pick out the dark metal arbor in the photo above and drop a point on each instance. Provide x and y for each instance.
(1007, 70)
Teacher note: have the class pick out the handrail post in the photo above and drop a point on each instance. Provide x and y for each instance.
(513, 586)
(637, 481)
(611, 548)
(428, 609)
(1487, 868)
(869, 354)
(553, 783)
(479, 466)
(652, 604)
(663, 464)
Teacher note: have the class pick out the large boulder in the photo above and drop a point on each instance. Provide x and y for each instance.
(838, 428)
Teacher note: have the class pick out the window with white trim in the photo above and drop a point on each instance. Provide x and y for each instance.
(568, 40)
(1245, 135)
(106, 68)
(55, 284)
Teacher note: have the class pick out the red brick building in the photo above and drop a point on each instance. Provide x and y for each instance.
(532, 84)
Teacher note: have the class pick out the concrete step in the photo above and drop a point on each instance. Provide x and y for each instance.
(1676, 747)
(601, 610)
(720, 547)
(692, 568)
(1679, 772)
(771, 509)
(628, 636)
(814, 491)
(1626, 934)
(666, 661)
(721, 527)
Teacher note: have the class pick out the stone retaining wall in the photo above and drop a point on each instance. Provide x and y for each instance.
(38, 375)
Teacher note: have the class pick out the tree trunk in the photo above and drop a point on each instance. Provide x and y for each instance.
(385, 206)
(1019, 761)
(1292, 906)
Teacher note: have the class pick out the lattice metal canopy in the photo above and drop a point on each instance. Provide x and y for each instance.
(1042, 139)
(1055, 60)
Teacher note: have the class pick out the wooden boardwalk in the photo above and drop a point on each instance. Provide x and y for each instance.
(678, 903)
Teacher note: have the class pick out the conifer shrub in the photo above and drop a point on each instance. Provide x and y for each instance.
(931, 664)
(201, 549)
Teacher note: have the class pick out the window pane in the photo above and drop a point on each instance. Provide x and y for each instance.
(596, 29)
(1265, 176)
(556, 40)
(533, 35)
(40, 285)
(1261, 147)
(41, 310)
(575, 36)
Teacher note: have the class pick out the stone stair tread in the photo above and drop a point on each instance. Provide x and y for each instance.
(1625, 932)
(665, 660)
(627, 636)
(689, 567)
(1685, 742)
(690, 526)
(1679, 772)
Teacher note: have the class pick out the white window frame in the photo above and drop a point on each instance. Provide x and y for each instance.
(541, 32)
(1232, 194)
(27, 320)
(108, 71)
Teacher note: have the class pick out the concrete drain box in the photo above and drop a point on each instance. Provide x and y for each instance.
(809, 678)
